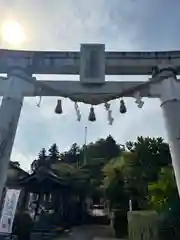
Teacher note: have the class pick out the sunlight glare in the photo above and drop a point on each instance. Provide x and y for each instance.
(13, 33)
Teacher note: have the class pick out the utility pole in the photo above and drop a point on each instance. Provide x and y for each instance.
(85, 146)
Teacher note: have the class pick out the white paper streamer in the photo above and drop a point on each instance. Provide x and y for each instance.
(109, 113)
(78, 114)
(39, 102)
(138, 101)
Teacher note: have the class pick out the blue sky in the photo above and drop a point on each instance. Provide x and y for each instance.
(63, 25)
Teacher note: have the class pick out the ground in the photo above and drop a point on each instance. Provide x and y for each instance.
(89, 233)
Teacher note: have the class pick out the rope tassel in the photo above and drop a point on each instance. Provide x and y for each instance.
(122, 108)
(58, 109)
(92, 116)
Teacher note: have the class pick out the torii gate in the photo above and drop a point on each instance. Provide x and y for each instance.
(92, 63)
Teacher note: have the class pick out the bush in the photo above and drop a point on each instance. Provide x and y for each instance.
(169, 223)
(22, 225)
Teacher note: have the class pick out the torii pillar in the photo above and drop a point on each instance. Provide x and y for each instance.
(15, 89)
(170, 103)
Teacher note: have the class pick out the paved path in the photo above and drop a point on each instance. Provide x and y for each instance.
(89, 233)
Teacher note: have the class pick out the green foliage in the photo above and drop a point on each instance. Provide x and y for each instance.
(113, 183)
(94, 170)
(73, 156)
(143, 173)
(126, 170)
(138, 167)
(164, 190)
(98, 155)
(103, 149)
(169, 222)
(53, 155)
(76, 177)
(40, 161)
(151, 154)
(70, 165)
(138, 174)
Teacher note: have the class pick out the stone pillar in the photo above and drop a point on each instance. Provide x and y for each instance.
(170, 104)
(9, 116)
(142, 225)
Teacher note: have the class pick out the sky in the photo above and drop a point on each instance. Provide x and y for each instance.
(123, 25)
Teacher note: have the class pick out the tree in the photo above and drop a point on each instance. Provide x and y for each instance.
(71, 175)
(122, 174)
(53, 155)
(114, 184)
(94, 171)
(150, 155)
(97, 155)
(111, 148)
(133, 176)
(72, 156)
(103, 149)
(41, 161)
(139, 166)
(164, 191)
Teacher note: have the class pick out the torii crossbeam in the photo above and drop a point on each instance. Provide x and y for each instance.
(92, 64)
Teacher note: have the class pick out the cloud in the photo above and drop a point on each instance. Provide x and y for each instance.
(63, 25)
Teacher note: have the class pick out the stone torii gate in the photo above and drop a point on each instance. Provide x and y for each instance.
(92, 63)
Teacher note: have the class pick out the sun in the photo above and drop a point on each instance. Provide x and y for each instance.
(12, 33)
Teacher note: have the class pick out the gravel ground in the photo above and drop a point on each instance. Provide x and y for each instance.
(88, 233)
